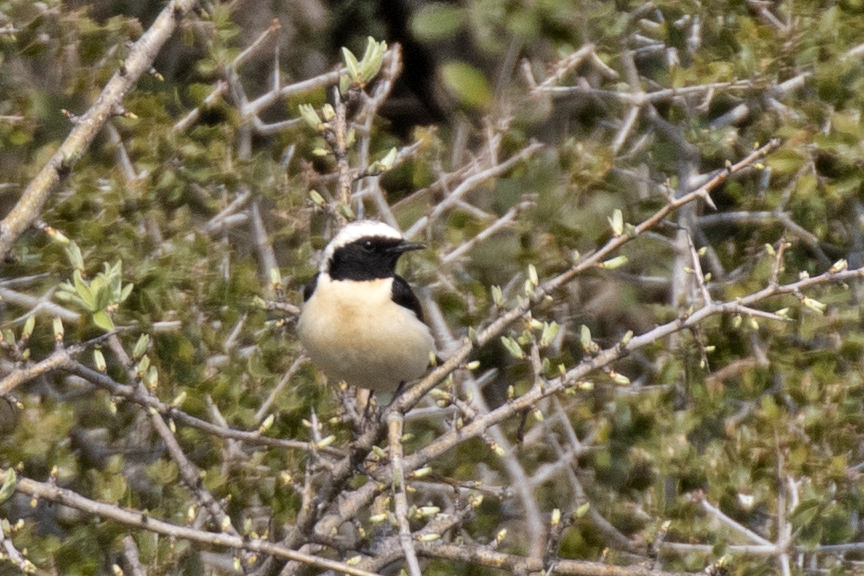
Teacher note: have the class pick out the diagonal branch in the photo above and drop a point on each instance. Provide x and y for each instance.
(147, 522)
(410, 397)
(139, 61)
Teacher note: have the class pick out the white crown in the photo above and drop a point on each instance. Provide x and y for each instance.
(354, 231)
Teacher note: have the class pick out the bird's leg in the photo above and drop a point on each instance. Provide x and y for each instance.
(399, 390)
(372, 412)
(351, 400)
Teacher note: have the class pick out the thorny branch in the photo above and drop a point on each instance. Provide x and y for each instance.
(327, 500)
(142, 520)
(352, 502)
(139, 61)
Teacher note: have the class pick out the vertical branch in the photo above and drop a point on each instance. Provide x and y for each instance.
(395, 421)
(340, 131)
(688, 164)
(535, 525)
(130, 553)
(390, 70)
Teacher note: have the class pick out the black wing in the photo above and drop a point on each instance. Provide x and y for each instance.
(309, 287)
(404, 296)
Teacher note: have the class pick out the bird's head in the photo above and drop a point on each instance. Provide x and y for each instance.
(365, 250)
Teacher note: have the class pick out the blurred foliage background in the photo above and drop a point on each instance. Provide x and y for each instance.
(762, 419)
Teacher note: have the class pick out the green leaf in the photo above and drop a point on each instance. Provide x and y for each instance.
(513, 347)
(550, 332)
(352, 64)
(387, 162)
(29, 324)
(74, 255)
(101, 294)
(585, 338)
(436, 21)
(309, 116)
(141, 346)
(785, 161)
(466, 83)
(497, 295)
(9, 485)
(83, 291)
(805, 512)
(124, 294)
(372, 59)
(103, 320)
(152, 377)
(99, 360)
(116, 280)
(143, 365)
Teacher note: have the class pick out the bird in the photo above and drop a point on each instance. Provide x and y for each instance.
(360, 321)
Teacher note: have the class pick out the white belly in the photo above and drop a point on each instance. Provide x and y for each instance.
(353, 331)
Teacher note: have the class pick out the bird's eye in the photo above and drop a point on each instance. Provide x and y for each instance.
(367, 245)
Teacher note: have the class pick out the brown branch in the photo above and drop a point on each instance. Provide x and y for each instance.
(394, 424)
(13, 555)
(168, 411)
(189, 473)
(639, 98)
(408, 399)
(766, 218)
(521, 565)
(41, 304)
(146, 522)
(317, 83)
(469, 184)
(184, 123)
(604, 358)
(57, 360)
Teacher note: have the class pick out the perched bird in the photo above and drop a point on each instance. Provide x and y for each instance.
(360, 321)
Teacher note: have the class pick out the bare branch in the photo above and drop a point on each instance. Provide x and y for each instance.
(469, 184)
(394, 425)
(140, 59)
(147, 522)
(519, 565)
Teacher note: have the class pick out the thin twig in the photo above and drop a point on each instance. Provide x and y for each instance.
(174, 413)
(265, 406)
(57, 360)
(469, 184)
(749, 534)
(184, 123)
(40, 304)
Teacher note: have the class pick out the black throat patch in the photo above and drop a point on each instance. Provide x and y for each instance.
(365, 259)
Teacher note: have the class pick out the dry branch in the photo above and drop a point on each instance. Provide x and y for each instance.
(144, 521)
(140, 59)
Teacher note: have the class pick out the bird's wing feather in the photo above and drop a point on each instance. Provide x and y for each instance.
(404, 296)
(309, 287)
